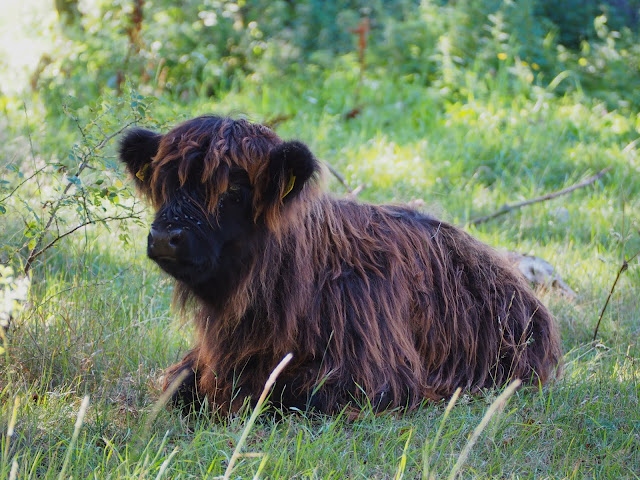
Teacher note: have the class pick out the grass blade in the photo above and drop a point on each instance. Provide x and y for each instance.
(76, 431)
(165, 464)
(447, 411)
(256, 411)
(497, 404)
(403, 460)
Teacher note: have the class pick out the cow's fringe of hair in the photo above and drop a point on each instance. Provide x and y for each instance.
(207, 150)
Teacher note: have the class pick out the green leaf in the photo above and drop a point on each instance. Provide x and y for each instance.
(75, 180)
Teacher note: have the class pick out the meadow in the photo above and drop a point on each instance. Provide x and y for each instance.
(479, 120)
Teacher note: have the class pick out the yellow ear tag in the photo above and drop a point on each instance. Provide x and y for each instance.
(143, 171)
(292, 181)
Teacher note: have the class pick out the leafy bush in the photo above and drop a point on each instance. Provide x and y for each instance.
(59, 193)
(205, 48)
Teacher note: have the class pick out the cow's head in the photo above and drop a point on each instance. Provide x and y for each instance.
(214, 182)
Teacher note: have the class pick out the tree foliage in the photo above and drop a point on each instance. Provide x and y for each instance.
(204, 48)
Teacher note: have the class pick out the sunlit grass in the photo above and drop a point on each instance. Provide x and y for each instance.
(101, 325)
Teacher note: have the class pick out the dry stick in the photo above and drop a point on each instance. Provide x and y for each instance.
(623, 267)
(256, 411)
(339, 177)
(548, 196)
(353, 192)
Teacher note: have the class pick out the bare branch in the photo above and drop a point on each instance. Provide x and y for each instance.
(35, 255)
(623, 267)
(10, 194)
(92, 150)
(339, 177)
(548, 196)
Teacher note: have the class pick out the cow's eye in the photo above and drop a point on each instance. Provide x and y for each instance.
(233, 194)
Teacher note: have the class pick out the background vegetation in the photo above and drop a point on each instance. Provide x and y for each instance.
(463, 105)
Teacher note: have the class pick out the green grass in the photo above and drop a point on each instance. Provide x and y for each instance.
(99, 321)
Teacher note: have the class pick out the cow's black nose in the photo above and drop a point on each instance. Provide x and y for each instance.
(164, 243)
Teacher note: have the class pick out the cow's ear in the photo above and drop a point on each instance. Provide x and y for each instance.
(291, 166)
(137, 148)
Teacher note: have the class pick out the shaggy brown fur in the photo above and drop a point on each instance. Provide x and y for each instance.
(378, 304)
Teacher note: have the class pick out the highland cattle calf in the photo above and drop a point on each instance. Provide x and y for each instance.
(379, 304)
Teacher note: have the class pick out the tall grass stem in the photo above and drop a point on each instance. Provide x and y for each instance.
(497, 404)
(432, 446)
(76, 431)
(11, 426)
(256, 411)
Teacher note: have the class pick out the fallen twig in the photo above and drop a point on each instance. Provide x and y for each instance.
(357, 190)
(548, 196)
(339, 177)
